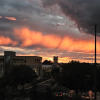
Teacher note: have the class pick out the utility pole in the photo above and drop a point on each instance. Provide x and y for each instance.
(95, 67)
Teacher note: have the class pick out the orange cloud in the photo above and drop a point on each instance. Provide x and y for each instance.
(7, 41)
(77, 45)
(10, 18)
(14, 43)
(69, 44)
(51, 41)
(26, 55)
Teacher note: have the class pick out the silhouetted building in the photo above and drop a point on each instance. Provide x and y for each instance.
(55, 59)
(9, 59)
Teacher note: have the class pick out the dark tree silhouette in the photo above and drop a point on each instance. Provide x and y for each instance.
(77, 76)
(19, 75)
(46, 62)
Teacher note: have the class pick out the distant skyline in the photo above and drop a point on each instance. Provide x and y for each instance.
(50, 28)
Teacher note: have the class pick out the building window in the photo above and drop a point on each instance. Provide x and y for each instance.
(35, 60)
(7, 59)
(1, 61)
(35, 70)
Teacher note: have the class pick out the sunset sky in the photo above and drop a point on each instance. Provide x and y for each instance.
(50, 28)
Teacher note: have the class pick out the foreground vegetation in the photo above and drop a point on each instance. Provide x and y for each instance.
(78, 76)
(74, 75)
(15, 76)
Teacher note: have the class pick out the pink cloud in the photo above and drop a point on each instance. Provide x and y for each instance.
(7, 41)
(10, 18)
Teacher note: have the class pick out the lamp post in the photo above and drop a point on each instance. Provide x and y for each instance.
(95, 65)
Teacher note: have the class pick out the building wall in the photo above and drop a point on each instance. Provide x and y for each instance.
(10, 58)
(34, 62)
(1, 65)
(29, 60)
(55, 59)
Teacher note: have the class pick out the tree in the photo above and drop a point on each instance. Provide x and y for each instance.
(98, 80)
(34, 94)
(77, 76)
(46, 62)
(48, 94)
(55, 72)
(19, 75)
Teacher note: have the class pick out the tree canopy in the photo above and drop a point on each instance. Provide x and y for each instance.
(47, 62)
(55, 72)
(19, 75)
(77, 76)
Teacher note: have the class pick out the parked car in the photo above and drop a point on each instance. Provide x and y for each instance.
(59, 94)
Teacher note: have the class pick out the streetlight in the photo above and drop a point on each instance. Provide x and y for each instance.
(95, 65)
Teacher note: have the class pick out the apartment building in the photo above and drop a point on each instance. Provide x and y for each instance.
(9, 59)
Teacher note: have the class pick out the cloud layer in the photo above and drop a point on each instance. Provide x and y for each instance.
(32, 38)
(50, 27)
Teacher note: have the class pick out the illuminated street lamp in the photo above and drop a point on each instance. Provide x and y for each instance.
(95, 65)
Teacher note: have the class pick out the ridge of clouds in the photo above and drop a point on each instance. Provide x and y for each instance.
(10, 18)
(32, 38)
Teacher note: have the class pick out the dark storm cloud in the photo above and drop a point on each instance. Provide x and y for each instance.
(83, 12)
